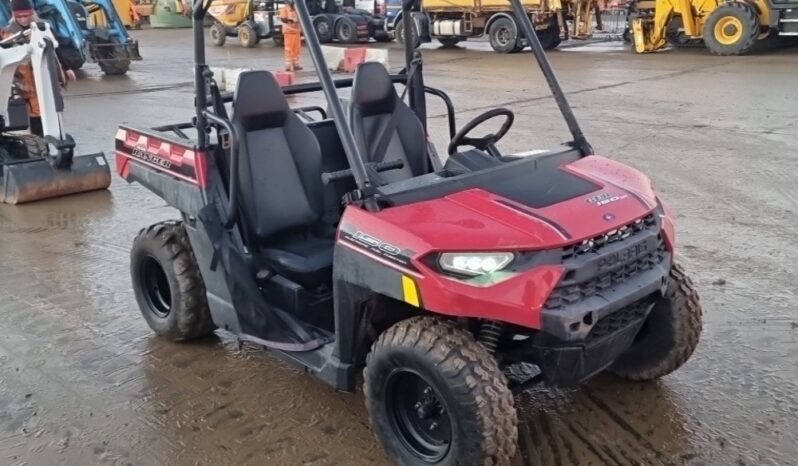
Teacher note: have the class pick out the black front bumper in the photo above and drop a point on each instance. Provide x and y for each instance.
(571, 364)
(603, 299)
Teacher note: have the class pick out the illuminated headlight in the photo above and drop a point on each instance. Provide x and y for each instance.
(475, 263)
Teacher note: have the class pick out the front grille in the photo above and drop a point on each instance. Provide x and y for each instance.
(596, 243)
(568, 292)
(618, 320)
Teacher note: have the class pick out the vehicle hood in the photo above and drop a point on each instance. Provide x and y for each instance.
(609, 195)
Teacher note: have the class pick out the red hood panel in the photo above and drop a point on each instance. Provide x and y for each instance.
(476, 219)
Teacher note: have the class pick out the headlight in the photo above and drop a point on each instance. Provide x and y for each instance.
(474, 264)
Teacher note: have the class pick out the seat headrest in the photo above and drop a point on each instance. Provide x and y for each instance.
(259, 102)
(372, 90)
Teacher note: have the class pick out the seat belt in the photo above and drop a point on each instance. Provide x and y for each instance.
(413, 67)
(382, 146)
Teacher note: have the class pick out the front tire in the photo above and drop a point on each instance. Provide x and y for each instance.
(436, 396)
(400, 34)
(324, 29)
(167, 283)
(731, 29)
(504, 36)
(669, 335)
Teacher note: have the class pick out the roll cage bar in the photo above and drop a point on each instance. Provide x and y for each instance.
(411, 76)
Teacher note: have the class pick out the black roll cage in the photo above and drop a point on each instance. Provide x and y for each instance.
(411, 76)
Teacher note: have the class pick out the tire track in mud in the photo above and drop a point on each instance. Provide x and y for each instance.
(176, 382)
(581, 429)
(623, 424)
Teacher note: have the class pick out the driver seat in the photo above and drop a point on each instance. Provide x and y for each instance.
(281, 191)
(384, 127)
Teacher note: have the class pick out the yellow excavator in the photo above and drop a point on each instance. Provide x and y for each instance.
(733, 27)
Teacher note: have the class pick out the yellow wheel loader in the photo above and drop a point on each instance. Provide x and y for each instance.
(733, 27)
(249, 20)
(39, 167)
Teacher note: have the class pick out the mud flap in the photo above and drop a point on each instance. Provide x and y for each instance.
(37, 179)
(260, 323)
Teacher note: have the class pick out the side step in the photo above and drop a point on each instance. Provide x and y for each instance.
(788, 22)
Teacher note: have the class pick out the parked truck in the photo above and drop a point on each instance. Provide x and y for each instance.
(453, 21)
(342, 21)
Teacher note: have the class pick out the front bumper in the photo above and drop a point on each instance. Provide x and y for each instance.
(597, 285)
(593, 315)
(570, 364)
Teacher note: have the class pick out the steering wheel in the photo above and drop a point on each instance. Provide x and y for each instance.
(486, 142)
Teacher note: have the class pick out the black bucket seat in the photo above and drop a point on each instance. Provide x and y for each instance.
(281, 191)
(384, 127)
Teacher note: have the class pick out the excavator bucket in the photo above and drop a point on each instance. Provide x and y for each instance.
(36, 179)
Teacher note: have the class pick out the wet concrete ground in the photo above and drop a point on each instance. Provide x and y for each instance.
(84, 381)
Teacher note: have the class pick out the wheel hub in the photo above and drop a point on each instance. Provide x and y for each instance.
(419, 418)
(503, 36)
(728, 30)
(156, 287)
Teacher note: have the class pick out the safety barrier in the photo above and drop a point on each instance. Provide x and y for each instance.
(346, 59)
(227, 78)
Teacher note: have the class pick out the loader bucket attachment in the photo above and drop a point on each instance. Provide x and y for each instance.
(37, 179)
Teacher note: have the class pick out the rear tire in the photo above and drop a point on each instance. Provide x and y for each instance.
(503, 35)
(436, 396)
(346, 30)
(550, 37)
(668, 337)
(167, 283)
(731, 29)
(218, 34)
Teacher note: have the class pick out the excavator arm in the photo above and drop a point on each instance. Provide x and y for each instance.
(55, 171)
(37, 45)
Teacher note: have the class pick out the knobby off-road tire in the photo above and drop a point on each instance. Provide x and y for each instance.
(470, 394)
(731, 29)
(167, 283)
(668, 337)
(218, 34)
(247, 36)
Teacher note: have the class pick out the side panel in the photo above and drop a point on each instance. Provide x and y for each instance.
(179, 159)
(388, 261)
(219, 299)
